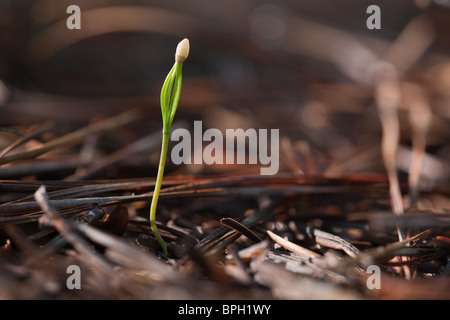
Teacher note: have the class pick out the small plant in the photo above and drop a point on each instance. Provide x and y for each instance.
(170, 95)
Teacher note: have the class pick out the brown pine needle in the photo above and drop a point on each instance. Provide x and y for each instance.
(75, 137)
(294, 248)
(239, 227)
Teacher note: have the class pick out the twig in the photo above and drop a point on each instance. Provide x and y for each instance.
(75, 137)
(329, 240)
(239, 227)
(420, 118)
(150, 142)
(125, 254)
(295, 248)
(370, 256)
(65, 229)
(32, 132)
(387, 96)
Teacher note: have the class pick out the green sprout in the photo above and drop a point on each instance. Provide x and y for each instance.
(170, 95)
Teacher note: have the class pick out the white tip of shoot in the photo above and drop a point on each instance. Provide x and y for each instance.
(182, 51)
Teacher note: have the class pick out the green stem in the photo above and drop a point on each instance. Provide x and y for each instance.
(159, 178)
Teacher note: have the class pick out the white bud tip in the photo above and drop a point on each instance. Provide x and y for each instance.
(182, 51)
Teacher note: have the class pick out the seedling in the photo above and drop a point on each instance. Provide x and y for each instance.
(170, 95)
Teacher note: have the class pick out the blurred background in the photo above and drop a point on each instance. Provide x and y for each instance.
(308, 68)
